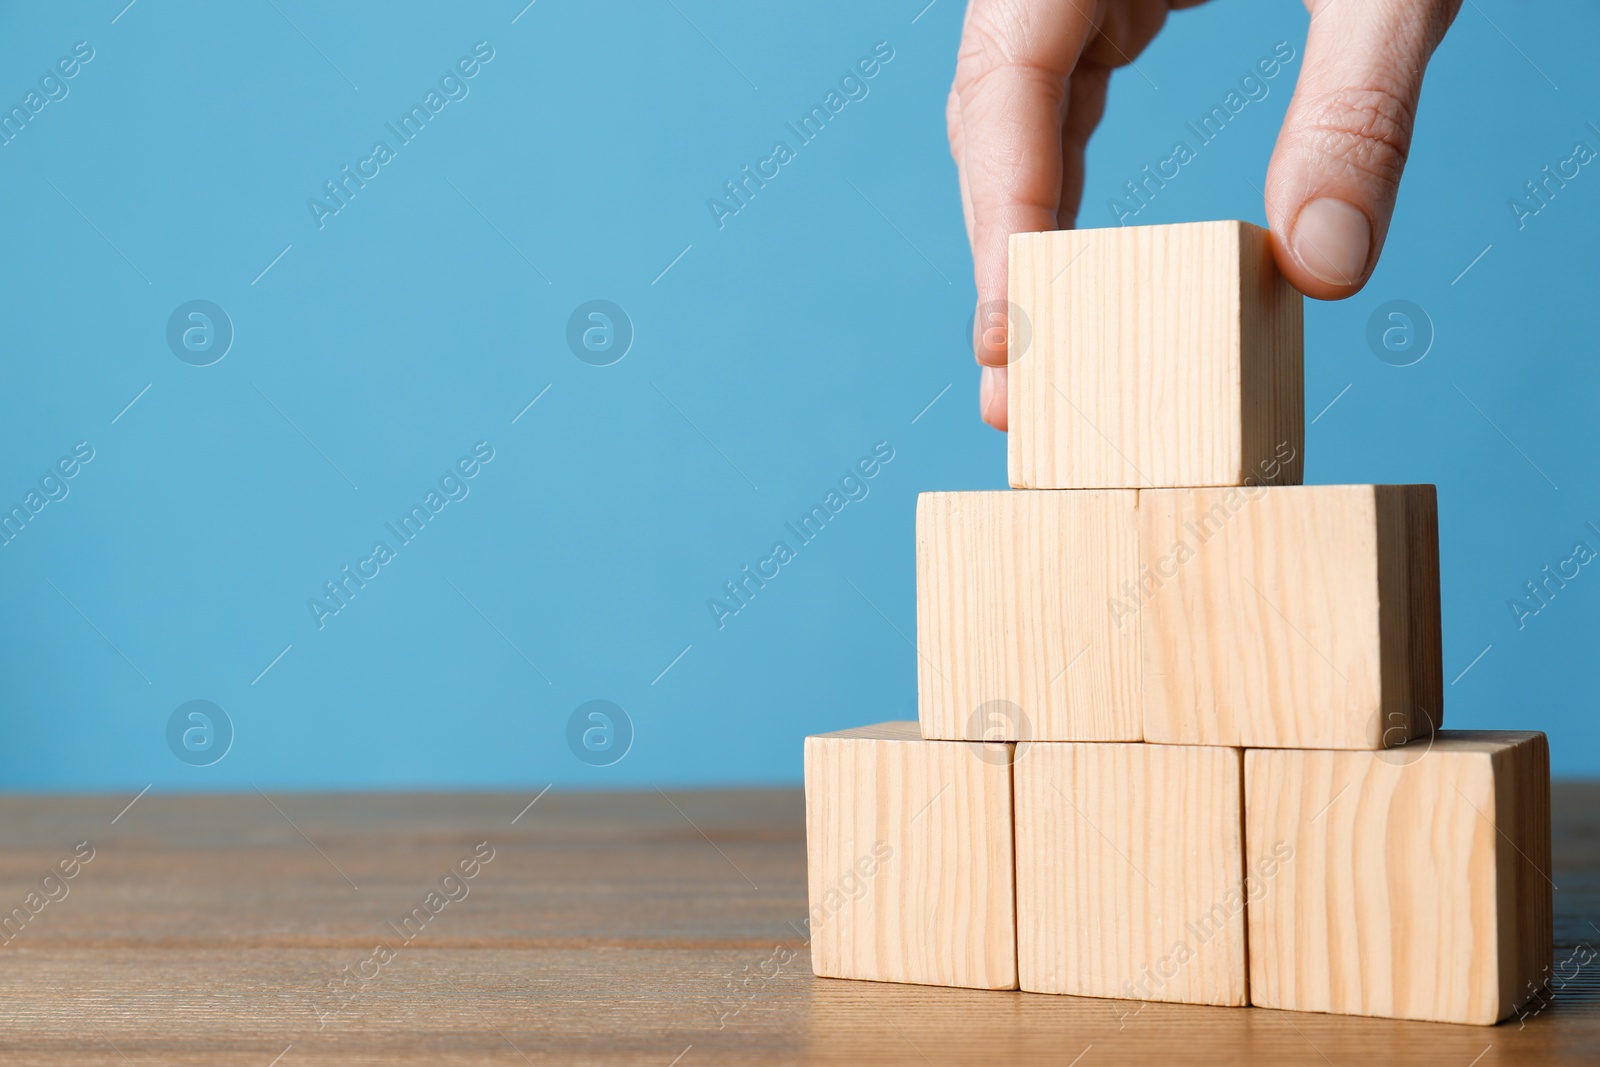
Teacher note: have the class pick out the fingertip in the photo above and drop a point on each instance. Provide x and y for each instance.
(991, 330)
(992, 397)
(1327, 251)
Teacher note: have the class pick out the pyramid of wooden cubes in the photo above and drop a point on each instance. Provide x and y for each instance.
(1179, 714)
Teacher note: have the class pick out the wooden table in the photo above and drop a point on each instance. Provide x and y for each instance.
(641, 928)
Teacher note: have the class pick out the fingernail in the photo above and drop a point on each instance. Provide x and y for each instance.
(985, 392)
(1331, 240)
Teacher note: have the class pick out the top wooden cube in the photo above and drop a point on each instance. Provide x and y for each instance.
(1153, 357)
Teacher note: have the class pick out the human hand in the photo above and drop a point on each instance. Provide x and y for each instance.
(1030, 88)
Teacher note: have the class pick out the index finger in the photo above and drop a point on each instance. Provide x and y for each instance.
(1011, 95)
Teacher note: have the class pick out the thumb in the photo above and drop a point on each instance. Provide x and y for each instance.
(1335, 173)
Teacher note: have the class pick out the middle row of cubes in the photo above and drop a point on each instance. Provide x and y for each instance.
(1252, 616)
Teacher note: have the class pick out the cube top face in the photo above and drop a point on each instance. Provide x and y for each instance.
(898, 730)
(1130, 872)
(1153, 356)
(1015, 637)
(909, 858)
(1290, 616)
(1411, 883)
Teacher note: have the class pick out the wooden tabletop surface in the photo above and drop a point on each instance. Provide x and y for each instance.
(640, 928)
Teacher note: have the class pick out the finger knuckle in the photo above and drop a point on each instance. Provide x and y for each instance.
(1000, 40)
(984, 47)
(1368, 130)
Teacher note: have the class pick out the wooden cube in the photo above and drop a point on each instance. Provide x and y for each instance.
(908, 858)
(1150, 356)
(1015, 636)
(1412, 883)
(1130, 868)
(1290, 616)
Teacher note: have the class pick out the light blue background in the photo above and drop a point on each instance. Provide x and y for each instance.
(769, 357)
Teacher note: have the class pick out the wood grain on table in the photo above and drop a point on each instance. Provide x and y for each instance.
(615, 928)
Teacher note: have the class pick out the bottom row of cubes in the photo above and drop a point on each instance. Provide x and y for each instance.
(1408, 883)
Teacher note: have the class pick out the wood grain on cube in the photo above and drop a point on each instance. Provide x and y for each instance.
(1418, 879)
(909, 858)
(1290, 616)
(1130, 871)
(1153, 356)
(1016, 638)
